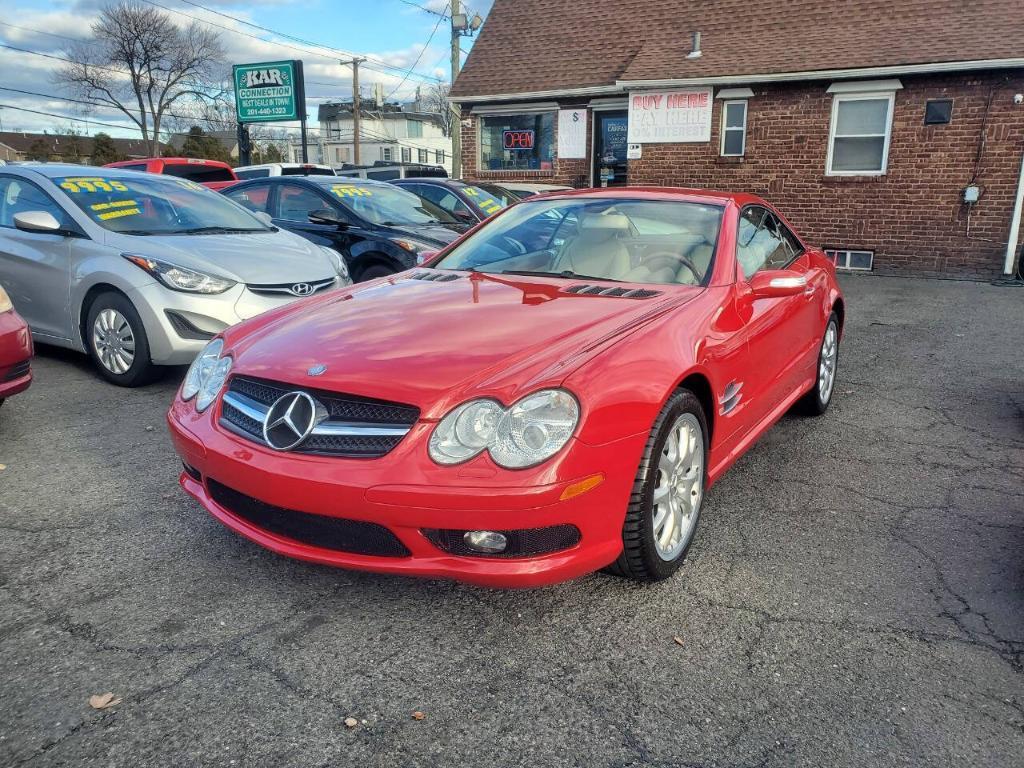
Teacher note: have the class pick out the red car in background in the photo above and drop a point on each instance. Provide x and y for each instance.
(15, 350)
(552, 394)
(212, 174)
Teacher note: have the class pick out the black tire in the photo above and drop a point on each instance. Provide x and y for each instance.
(374, 271)
(141, 371)
(812, 403)
(640, 560)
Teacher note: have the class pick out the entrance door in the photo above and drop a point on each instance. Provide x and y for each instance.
(609, 160)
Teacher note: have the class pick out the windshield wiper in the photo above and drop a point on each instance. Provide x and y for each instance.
(217, 230)
(567, 273)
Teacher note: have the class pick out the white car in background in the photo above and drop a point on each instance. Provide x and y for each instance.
(283, 169)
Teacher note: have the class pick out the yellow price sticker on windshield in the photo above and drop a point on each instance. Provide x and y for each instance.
(341, 190)
(90, 184)
(189, 184)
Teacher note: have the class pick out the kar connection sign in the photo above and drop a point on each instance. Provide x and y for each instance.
(269, 92)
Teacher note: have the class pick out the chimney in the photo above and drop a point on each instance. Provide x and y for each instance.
(695, 52)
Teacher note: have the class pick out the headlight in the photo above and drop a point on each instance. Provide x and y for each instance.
(340, 266)
(179, 278)
(413, 246)
(531, 431)
(5, 301)
(206, 375)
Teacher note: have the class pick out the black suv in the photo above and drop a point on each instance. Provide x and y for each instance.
(377, 227)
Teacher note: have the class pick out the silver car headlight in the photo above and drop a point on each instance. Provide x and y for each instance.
(180, 278)
(340, 265)
(206, 375)
(532, 430)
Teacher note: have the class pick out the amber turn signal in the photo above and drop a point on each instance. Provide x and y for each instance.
(582, 486)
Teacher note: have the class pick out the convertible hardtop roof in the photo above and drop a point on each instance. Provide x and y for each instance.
(56, 170)
(680, 194)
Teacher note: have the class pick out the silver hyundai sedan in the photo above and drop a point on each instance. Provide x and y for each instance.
(140, 270)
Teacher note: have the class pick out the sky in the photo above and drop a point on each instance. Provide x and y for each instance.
(395, 36)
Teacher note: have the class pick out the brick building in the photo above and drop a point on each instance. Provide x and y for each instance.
(889, 132)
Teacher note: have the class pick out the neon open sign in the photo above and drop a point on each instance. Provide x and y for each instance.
(517, 139)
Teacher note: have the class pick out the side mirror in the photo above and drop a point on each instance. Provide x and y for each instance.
(424, 256)
(777, 283)
(326, 216)
(37, 221)
(264, 217)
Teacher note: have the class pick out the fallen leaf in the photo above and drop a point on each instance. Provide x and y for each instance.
(104, 701)
(3, 467)
(678, 640)
(149, 429)
(417, 715)
(351, 722)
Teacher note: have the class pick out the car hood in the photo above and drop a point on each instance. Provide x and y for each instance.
(250, 257)
(434, 234)
(435, 343)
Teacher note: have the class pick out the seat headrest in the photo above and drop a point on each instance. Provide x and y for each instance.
(607, 222)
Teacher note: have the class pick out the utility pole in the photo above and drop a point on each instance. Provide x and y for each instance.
(456, 115)
(355, 107)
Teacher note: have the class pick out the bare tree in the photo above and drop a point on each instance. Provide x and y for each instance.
(436, 100)
(142, 63)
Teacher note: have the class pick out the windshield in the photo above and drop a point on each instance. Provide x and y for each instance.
(155, 205)
(489, 198)
(638, 241)
(383, 203)
(306, 170)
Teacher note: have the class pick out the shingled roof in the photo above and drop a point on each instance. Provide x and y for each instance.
(535, 46)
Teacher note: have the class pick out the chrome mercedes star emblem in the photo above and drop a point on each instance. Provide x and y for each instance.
(301, 289)
(289, 421)
(316, 370)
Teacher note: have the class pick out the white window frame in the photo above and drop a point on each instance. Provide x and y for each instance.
(406, 153)
(839, 98)
(386, 154)
(841, 258)
(743, 144)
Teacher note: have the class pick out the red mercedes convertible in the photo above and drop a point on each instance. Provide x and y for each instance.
(552, 394)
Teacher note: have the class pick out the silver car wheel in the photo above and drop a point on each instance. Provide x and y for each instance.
(827, 362)
(680, 487)
(113, 340)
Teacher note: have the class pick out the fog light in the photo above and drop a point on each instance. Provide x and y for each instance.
(485, 541)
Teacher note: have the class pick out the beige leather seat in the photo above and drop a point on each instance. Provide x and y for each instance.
(597, 250)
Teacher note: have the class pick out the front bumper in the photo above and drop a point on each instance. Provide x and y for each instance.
(15, 355)
(163, 310)
(408, 494)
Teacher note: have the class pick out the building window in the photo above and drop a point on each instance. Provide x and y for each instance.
(385, 153)
(406, 155)
(341, 154)
(415, 129)
(517, 142)
(734, 128)
(938, 112)
(439, 156)
(859, 135)
(423, 156)
(853, 260)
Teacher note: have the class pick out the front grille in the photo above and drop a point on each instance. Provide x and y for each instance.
(17, 370)
(354, 536)
(614, 291)
(288, 289)
(525, 542)
(356, 427)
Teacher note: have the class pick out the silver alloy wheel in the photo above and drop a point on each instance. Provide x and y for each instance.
(680, 487)
(827, 363)
(113, 340)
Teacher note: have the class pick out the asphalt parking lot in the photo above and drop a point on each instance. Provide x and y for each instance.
(855, 595)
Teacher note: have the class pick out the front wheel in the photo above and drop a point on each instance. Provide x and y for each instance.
(668, 491)
(817, 400)
(117, 341)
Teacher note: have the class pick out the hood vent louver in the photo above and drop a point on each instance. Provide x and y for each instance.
(615, 291)
(435, 277)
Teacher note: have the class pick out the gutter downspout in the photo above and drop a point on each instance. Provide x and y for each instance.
(1011, 245)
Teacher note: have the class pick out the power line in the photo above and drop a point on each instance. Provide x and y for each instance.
(73, 119)
(442, 14)
(335, 51)
(426, 45)
(41, 32)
